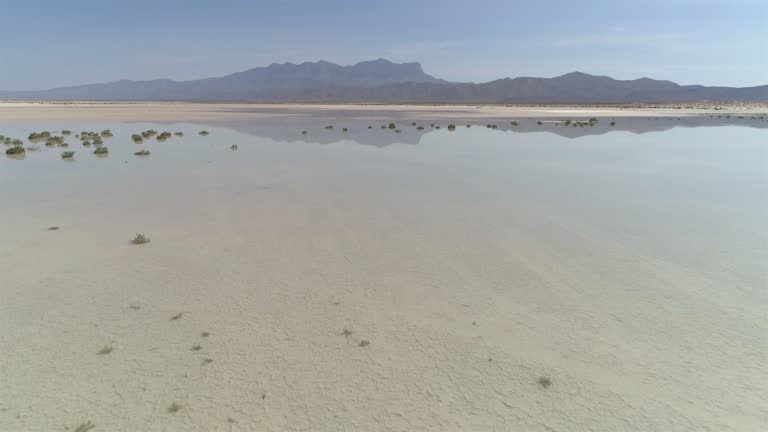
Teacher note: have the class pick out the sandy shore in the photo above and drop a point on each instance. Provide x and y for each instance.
(158, 111)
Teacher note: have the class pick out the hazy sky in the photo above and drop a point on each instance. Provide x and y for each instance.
(62, 42)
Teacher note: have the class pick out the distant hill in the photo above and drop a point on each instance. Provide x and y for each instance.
(382, 81)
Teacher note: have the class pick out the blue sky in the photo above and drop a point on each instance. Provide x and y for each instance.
(53, 43)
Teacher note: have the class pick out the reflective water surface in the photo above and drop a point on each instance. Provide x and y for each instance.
(382, 280)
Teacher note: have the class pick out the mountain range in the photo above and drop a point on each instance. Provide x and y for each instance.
(382, 81)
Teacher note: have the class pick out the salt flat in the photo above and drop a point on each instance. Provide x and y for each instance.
(382, 280)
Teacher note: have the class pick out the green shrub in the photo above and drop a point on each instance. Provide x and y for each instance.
(15, 150)
(67, 155)
(101, 151)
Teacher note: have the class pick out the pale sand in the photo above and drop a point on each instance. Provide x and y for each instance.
(473, 263)
(158, 111)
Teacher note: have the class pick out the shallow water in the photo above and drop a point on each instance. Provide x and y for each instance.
(627, 263)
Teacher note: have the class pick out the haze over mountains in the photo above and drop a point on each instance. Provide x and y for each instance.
(382, 81)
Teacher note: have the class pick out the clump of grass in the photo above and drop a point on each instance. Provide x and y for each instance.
(15, 150)
(364, 343)
(148, 133)
(54, 140)
(206, 362)
(539, 123)
(67, 155)
(392, 126)
(420, 128)
(53, 228)
(451, 126)
(196, 347)
(138, 139)
(205, 334)
(177, 316)
(140, 239)
(514, 123)
(613, 123)
(344, 129)
(346, 332)
(85, 427)
(203, 132)
(234, 147)
(106, 133)
(329, 127)
(179, 133)
(163, 136)
(134, 306)
(142, 153)
(303, 132)
(544, 381)
(101, 151)
(85, 143)
(106, 349)
(231, 420)
(174, 408)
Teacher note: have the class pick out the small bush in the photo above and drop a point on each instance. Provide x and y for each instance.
(106, 349)
(174, 408)
(67, 155)
(101, 151)
(204, 133)
(15, 150)
(140, 239)
(142, 153)
(545, 381)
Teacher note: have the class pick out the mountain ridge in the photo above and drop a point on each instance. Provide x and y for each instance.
(384, 81)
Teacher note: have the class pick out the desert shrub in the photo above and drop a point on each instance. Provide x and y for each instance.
(15, 150)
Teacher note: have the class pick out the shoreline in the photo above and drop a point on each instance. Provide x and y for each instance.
(187, 111)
